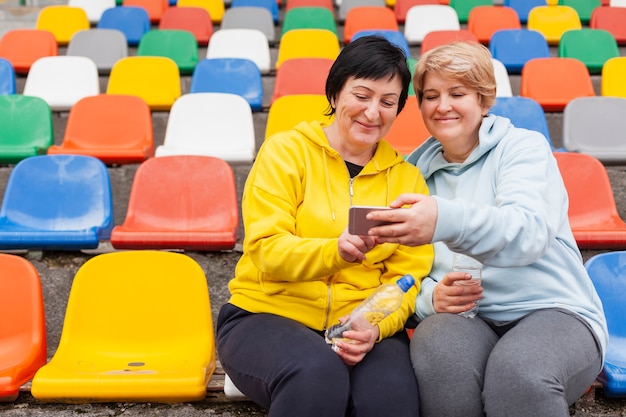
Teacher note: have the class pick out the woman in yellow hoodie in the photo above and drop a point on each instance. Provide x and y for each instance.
(301, 271)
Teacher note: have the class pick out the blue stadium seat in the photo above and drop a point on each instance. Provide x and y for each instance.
(7, 77)
(393, 36)
(523, 112)
(515, 47)
(522, 7)
(133, 21)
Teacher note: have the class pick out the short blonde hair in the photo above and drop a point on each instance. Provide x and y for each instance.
(467, 62)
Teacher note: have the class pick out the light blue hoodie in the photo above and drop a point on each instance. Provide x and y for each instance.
(506, 206)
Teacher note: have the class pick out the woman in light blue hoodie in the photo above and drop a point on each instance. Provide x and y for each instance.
(537, 342)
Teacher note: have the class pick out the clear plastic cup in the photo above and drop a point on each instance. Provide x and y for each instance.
(464, 263)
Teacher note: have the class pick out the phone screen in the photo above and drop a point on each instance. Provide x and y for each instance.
(358, 224)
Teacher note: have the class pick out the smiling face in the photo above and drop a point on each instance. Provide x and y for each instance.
(452, 113)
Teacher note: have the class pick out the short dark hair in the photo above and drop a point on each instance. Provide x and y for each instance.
(370, 57)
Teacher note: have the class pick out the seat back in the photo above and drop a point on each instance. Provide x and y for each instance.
(270, 5)
(596, 126)
(203, 217)
(523, 7)
(591, 46)
(23, 336)
(408, 131)
(292, 4)
(155, 79)
(7, 77)
(63, 21)
(56, 202)
(302, 76)
(215, 8)
(132, 21)
(250, 17)
(193, 19)
(93, 8)
(612, 19)
(442, 37)
(394, 36)
(484, 21)
(401, 7)
(553, 21)
(215, 124)
(584, 8)
(554, 81)
(178, 45)
(464, 7)
(25, 127)
(307, 43)
(346, 5)
(22, 47)
(155, 8)
(368, 18)
(288, 111)
(422, 19)
(515, 47)
(613, 82)
(523, 112)
(103, 46)
(251, 44)
(309, 18)
(141, 321)
(117, 129)
(503, 82)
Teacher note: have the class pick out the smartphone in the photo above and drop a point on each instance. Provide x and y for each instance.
(358, 224)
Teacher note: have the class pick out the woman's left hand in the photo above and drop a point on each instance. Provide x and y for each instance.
(357, 345)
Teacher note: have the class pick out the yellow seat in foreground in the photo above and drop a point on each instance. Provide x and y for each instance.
(138, 327)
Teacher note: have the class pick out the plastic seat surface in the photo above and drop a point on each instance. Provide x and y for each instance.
(613, 82)
(103, 46)
(270, 5)
(287, 111)
(155, 79)
(368, 18)
(22, 47)
(23, 336)
(401, 7)
(553, 21)
(132, 21)
(422, 19)
(292, 4)
(394, 36)
(250, 17)
(137, 328)
(251, 44)
(484, 21)
(307, 43)
(93, 8)
(193, 19)
(595, 222)
(442, 37)
(503, 82)
(608, 274)
(464, 7)
(62, 80)
(345, 6)
(229, 75)
(7, 77)
(617, 3)
(554, 81)
(117, 129)
(178, 45)
(215, 8)
(213, 124)
(302, 76)
(25, 127)
(309, 18)
(523, 7)
(155, 8)
(408, 131)
(515, 47)
(612, 19)
(205, 214)
(591, 46)
(523, 112)
(63, 21)
(584, 8)
(596, 126)
(57, 202)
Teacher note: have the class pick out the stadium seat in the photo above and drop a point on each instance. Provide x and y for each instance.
(584, 8)
(515, 47)
(612, 19)
(503, 82)
(25, 127)
(464, 7)
(523, 112)
(62, 80)
(250, 17)
(22, 47)
(301, 76)
(117, 129)
(401, 7)
(554, 81)
(309, 18)
(178, 45)
(155, 79)
(483, 21)
(103, 46)
(408, 131)
(442, 37)
(595, 222)
(7, 77)
(229, 75)
(292, 4)
(270, 5)
(63, 21)
(287, 111)
(137, 327)
(56, 202)
(93, 8)
(215, 8)
(617, 3)
(205, 214)
(346, 5)
(608, 274)
(193, 19)
(213, 124)
(133, 22)
(613, 81)
(394, 36)
(596, 126)
(307, 43)
(155, 8)
(523, 7)
(251, 44)
(368, 18)
(553, 21)
(422, 19)
(23, 329)
(591, 46)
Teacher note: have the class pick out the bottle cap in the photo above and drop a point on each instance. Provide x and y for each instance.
(406, 282)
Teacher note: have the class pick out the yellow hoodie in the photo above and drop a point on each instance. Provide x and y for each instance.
(295, 207)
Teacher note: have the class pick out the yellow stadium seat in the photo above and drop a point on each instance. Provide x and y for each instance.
(307, 43)
(553, 21)
(613, 80)
(138, 327)
(215, 8)
(63, 21)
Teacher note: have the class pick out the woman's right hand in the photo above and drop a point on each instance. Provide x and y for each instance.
(450, 298)
(352, 248)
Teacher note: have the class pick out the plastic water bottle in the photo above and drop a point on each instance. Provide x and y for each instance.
(464, 263)
(385, 300)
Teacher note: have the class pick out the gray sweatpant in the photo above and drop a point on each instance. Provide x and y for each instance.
(535, 366)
